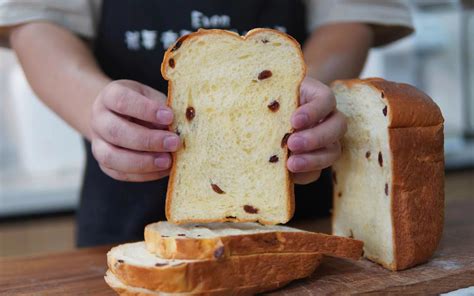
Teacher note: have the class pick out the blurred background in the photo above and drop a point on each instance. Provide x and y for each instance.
(41, 158)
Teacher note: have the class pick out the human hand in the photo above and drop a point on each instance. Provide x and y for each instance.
(129, 133)
(319, 126)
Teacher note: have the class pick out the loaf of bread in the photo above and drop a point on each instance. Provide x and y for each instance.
(125, 290)
(134, 266)
(389, 182)
(221, 240)
(232, 97)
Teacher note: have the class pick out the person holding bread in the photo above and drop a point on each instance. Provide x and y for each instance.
(97, 65)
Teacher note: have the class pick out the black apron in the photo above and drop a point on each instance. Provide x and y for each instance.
(132, 38)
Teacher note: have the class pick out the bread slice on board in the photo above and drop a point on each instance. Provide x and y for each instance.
(232, 98)
(125, 290)
(221, 240)
(135, 266)
(389, 182)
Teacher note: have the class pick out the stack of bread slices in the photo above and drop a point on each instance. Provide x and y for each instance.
(220, 258)
(233, 98)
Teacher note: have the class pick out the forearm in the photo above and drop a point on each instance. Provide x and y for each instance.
(337, 51)
(61, 71)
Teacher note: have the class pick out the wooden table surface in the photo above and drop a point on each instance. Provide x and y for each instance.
(81, 272)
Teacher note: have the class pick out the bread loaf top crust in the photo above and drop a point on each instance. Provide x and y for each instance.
(407, 105)
(169, 52)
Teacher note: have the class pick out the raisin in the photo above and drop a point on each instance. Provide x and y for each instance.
(273, 158)
(176, 46)
(171, 63)
(334, 177)
(217, 189)
(230, 217)
(198, 235)
(177, 132)
(179, 43)
(380, 159)
(383, 95)
(351, 235)
(384, 111)
(190, 113)
(274, 106)
(120, 261)
(160, 264)
(386, 189)
(339, 194)
(284, 140)
(264, 74)
(219, 252)
(181, 234)
(164, 236)
(265, 41)
(251, 210)
(367, 154)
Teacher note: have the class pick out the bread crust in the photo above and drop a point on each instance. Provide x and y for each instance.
(415, 132)
(125, 290)
(290, 185)
(417, 211)
(248, 244)
(204, 275)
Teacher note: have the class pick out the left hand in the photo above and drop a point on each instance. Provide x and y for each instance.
(319, 127)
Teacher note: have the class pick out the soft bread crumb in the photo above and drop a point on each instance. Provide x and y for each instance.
(362, 210)
(233, 167)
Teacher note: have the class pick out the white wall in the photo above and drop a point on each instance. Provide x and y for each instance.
(42, 157)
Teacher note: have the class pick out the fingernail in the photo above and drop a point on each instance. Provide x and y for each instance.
(296, 143)
(300, 120)
(164, 116)
(298, 163)
(163, 162)
(171, 143)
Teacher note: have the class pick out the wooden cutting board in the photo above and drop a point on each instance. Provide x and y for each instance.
(81, 272)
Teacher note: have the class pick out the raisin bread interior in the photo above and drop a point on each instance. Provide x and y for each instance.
(362, 176)
(233, 99)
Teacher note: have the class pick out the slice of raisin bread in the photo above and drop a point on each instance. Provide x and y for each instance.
(389, 182)
(125, 290)
(135, 266)
(232, 97)
(220, 240)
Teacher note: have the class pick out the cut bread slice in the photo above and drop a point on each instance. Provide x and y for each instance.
(389, 181)
(137, 267)
(220, 240)
(232, 98)
(125, 290)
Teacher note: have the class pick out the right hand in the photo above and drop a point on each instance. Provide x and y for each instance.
(129, 133)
